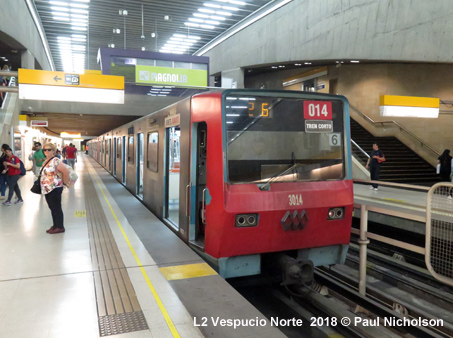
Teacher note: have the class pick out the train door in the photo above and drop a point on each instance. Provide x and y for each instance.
(140, 158)
(114, 157)
(173, 162)
(109, 155)
(123, 160)
(198, 182)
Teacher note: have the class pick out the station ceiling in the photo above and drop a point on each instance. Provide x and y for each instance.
(135, 22)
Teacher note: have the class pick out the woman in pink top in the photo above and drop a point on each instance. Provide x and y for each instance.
(54, 174)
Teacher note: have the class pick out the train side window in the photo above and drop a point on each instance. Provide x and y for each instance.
(153, 151)
(130, 150)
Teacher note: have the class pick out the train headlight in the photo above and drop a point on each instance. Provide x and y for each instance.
(335, 213)
(246, 220)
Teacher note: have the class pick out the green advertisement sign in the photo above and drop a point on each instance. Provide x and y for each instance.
(171, 76)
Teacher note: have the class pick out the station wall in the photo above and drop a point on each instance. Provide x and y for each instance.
(363, 84)
(18, 30)
(386, 30)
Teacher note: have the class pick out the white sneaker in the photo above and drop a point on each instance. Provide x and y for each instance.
(375, 189)
(449, 197)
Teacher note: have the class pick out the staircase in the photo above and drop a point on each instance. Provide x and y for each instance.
(403, 165)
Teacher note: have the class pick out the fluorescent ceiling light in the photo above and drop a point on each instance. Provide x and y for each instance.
(78, 47)
(212, 5)
(79, 20)
(239, 3)
(76, 28)
(196, 20)
(63, 38)
(79, 36)
(59, 9)
(212, 22)
(79, 40)
(204, 10)
(215, 17)
(86, 1)
(80, 6)
(207, 26)
(81, 16)
(230, 8)
(354, 61)
(223, 13)
(58, 3)
(60, 14)
(191, 24)
(82, 11)
(81, 24)
(60, 18)
(198, 15)
(187, 36)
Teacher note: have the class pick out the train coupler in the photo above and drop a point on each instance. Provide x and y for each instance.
(296, 271)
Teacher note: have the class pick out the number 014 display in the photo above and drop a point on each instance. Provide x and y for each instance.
(318, 110)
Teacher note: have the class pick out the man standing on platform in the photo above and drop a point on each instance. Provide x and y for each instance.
(374, 163)
(39, 158)
(71, 153)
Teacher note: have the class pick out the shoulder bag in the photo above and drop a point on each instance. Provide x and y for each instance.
(36, 188)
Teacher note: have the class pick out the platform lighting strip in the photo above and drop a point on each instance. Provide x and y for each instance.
(211, 16)
(72, 48)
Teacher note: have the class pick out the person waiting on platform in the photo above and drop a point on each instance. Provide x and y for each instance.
(12, 166)
(38, 157)
(54, 175)
(3, 176)
(445, 161)
(374, 163)
(71, 154)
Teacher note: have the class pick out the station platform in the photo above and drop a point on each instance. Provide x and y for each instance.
(117, 270)
(399, 207)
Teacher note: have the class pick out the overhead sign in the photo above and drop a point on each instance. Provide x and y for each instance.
(39, 123)
(60, 86)
(171, 76)
(173, 120)
(44, 77)
(72, 79)
(409, 106)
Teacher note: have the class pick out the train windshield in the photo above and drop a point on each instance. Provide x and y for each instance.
(283, 139)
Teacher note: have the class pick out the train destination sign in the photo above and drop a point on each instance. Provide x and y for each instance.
(313, 126)
(318, 110)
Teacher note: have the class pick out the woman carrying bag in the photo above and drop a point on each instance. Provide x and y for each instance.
(54, 175)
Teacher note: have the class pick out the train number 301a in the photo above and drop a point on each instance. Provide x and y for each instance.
(295, 200)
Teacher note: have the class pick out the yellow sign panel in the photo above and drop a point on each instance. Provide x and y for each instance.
(80, 213)
(409, 101)
(44, 77)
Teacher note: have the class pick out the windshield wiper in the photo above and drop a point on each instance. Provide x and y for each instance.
(277, 176)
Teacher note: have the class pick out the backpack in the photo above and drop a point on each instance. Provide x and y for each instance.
(22, 168)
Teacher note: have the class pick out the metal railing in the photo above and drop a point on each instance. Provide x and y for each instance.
(12, 86)
(436, 250)
(401, 128)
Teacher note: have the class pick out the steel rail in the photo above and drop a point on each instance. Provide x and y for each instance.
(376, 306)
(423, 144)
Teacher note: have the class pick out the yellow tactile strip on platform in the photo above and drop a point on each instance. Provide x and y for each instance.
(187, 271)
(118, 308)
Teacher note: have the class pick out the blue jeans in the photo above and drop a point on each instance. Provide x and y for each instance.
(3, 181)
(71, 162)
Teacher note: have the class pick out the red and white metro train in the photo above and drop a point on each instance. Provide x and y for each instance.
(244, 176)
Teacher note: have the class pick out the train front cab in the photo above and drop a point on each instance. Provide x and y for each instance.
(263, 181)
